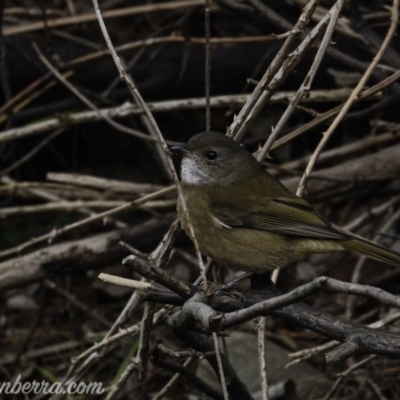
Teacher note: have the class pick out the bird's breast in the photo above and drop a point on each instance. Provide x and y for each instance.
(243, 248)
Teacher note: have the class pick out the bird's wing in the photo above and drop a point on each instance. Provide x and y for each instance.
(292, 216)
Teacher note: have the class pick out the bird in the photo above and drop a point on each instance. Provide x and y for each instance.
(243, 217)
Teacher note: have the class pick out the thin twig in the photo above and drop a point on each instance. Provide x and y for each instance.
(207, 63)
(143, 353)
(257, 100)
(66, 206)
(92, 354)
(127, 109)
(109, 14)
(261, 357)
(168, 385)
(158, 147)
(57, 232)
(368, 142)
(347, 373)
(334, 13)
(146, 109)
(220, 367)
(329, 114)
(355, 277)
(117, 280)
(31, 153)
(326, 135)
(217, 41)
(86, 101)
(77, 303)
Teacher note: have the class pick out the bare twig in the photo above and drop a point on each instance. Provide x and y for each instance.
(355, 277)
(333, 13)
(329, 114)
(371, 141)
(127, 109)
(57, 232)
(306, 354)
(347, 373)
(207, 63)
(31, 153)
(77, 303)
(261, 357)
(143, 353)
(152, 121)
(86, 101)
(216, 41)
(220, 368)
(117, 280)
(259, 97)
(351, 99)
(110, 14)
(65, 206)
(168, 385)
(108, 185)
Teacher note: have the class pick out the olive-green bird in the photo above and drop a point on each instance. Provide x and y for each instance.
(245, 218)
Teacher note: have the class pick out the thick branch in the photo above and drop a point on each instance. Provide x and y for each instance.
(358, 339)
(82, 253)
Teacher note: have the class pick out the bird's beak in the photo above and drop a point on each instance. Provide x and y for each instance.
(180, 149)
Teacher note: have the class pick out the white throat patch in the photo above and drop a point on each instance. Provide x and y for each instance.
(192, 174)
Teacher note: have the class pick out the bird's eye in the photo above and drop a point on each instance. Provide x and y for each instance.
(211, 155)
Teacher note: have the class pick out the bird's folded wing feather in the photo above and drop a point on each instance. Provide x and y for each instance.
(292, 216)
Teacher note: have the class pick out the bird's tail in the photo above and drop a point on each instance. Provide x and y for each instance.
(372, 250)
